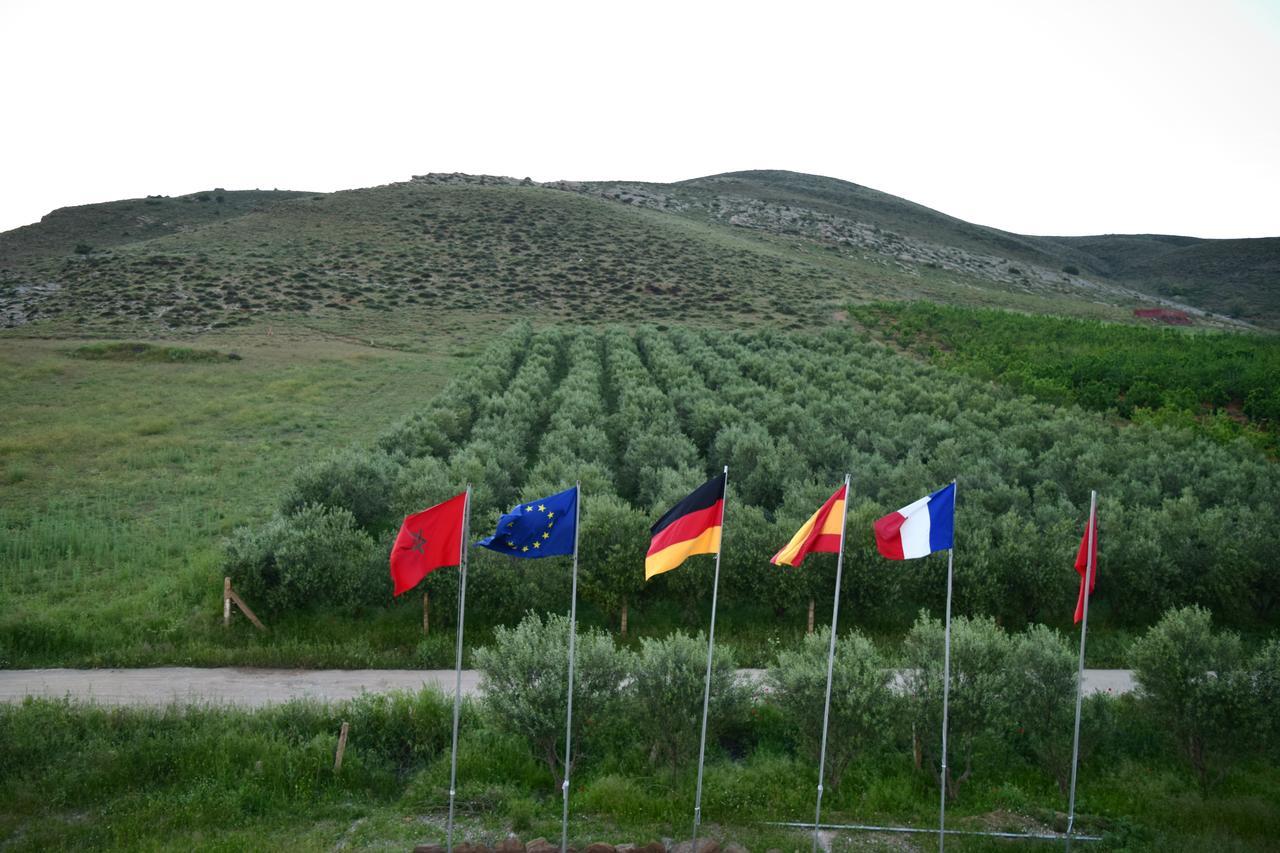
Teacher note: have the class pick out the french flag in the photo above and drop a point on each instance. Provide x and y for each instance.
(920, 528)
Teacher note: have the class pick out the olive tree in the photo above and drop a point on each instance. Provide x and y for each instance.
(1042, 670)
(611, 548)
(979, 700)
(1192, 682)
(524, 675)
(860, 698)
(316, 555)
(666, 694)
(359, 481)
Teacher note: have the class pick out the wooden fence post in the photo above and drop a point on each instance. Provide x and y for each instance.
(228, 597)
(342, 747)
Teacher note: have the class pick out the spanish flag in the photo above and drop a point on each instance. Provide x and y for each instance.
(820, 533)
(690, 527)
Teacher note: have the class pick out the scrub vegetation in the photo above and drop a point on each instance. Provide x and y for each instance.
(76, 775)
(740, 249)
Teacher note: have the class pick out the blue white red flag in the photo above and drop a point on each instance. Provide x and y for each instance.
(920, 528)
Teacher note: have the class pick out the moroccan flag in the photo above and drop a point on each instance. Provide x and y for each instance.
(428, 540)
(690, 527)
(920, 528)
(1084, 559)
(820, 533)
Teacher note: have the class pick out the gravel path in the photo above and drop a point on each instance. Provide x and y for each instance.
(254, 688)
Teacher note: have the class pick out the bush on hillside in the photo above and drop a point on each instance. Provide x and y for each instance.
(525, 679)
(314, 556)
(980, 700)
(359, 481)
(1043, 673)
(666, 687)
(1192, 682)
(1264, 669)
(861, 704)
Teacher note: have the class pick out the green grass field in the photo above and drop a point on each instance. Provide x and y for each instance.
(123, 477)
(215, 779)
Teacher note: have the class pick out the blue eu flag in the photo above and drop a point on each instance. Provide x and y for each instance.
(541, 528)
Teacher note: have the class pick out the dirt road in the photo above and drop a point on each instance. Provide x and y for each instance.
(257, 687)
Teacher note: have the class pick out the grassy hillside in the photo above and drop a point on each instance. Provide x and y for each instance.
(120, 478)
(94, 227)
(743, 248)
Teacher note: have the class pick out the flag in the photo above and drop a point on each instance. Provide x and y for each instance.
(821, 533)
(690, 527)
(428, 540)
(1088, 542)
(541, 528)
(920, 528)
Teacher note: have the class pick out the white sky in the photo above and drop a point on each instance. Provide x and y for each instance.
(1070, 117)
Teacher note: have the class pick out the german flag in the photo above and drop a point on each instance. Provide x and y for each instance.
(690, 527)
(820, 533)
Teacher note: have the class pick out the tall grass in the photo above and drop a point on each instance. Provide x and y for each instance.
(220, 778)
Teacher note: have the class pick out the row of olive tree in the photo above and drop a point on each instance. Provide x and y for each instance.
(1010, 694)
(642, 416)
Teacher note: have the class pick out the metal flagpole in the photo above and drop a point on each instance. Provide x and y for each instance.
(457, 670)
(573, 630)
(706, 692)
(946, 695)
(1092, 535)
(831, 658)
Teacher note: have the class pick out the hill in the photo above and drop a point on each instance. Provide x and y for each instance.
(739, 248)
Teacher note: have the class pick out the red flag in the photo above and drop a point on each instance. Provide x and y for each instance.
(1085, 559)
(428, 540)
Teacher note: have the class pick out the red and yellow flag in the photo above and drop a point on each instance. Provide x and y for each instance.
(821, 533)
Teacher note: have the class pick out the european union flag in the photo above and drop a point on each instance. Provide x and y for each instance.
(541, 528)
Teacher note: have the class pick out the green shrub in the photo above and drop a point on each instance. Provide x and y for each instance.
(407, 729)
(860, 698)
(979, 704)
(621, 798)
(525, 677)
(137, 351)
(1190, 680)
(314, 556)
(1264, 668)
(666, 687)
(358, 481)
(1043, 671)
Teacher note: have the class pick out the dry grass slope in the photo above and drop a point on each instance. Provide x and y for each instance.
(737, 249)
